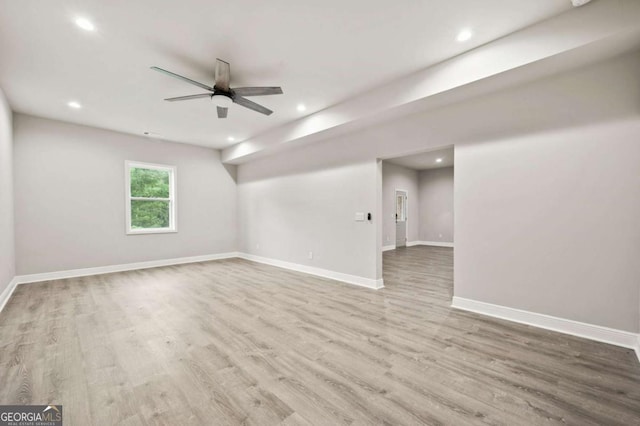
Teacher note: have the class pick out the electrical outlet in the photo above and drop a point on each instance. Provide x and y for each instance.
(310, 255)
(257, 246)
(388, 238)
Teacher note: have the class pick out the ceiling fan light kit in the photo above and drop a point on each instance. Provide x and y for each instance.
(221, 100)
(222, 94)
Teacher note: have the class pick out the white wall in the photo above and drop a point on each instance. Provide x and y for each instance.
(70, 206)
(599, 105)
(435, 198)
(7, 251)
(288, 207)
(398, 177)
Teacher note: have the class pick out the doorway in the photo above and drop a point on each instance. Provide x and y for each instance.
(416, 202)
(402, 197)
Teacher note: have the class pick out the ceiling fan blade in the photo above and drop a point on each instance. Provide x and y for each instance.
(223, 72)
(251, 105)
(258, 91)
(222, 112)
(185, 79)
(186, 98)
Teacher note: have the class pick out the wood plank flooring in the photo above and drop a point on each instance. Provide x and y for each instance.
(234, 342)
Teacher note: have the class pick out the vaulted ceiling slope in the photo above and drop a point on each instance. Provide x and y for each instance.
(352, 64)
(322, 53)
(578, 37)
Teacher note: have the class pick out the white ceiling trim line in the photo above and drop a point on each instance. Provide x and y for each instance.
(569, 31)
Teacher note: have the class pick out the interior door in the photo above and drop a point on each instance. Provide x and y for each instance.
(401, 218)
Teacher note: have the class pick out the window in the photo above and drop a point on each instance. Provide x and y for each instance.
(151, 198)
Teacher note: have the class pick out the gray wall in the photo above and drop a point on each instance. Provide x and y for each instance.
(430, 203)
(398, 177)
(7, 252)
(435, 200)
(549, 223)
(70, 206)
(288, 207)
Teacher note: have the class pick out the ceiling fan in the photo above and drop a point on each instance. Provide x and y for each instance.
(223, 95)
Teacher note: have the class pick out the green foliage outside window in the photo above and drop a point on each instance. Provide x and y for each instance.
(150, 183)
(149, 214)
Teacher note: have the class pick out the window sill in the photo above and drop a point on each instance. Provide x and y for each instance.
(151, 231)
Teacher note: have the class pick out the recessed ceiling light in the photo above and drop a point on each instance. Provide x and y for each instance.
(301, 107)
(438, 160)
(464, 35)
(231, 139)
(74, 105)
(85, 24)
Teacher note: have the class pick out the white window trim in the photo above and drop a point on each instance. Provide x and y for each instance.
(173, 200)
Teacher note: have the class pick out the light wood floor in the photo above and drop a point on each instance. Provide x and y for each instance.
(233, 342)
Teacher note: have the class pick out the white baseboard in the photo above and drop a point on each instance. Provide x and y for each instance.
(338, 276)
(598, 333)
(434, 243)
(72, 273)
(6, 294)
(421, 243)
(325, 273)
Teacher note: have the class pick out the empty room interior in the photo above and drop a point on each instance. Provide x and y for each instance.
(420, 212)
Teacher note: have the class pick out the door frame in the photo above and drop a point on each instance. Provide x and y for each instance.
(406, 221)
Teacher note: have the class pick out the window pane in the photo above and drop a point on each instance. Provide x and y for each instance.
(149, 214)
(401, 208)
(149, 183)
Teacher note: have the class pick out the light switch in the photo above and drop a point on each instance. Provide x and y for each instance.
(359, 217)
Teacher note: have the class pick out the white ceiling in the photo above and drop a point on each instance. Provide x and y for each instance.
(425, 160)
(320, 52)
